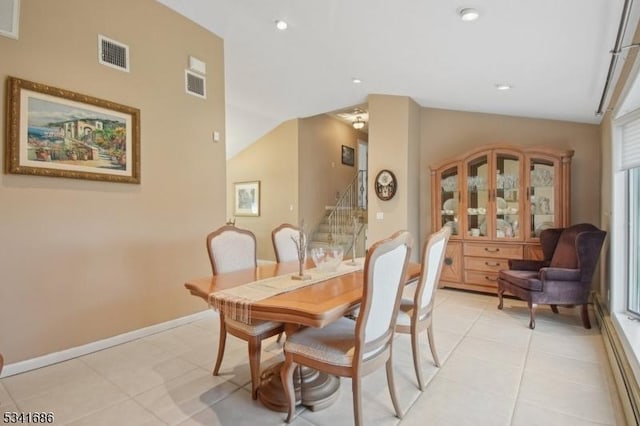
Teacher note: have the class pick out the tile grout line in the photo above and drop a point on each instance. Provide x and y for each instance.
(438, 370)
(524, 367)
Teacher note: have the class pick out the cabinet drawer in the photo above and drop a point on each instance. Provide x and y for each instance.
(485, 264)
(487, 278)
(493, 250)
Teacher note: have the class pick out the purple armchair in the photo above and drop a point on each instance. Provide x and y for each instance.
(563, 277)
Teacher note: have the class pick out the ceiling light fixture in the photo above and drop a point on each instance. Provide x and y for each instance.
(502, 86)
(468, 14)
(356, 80)
(358, 123)
(281, 25)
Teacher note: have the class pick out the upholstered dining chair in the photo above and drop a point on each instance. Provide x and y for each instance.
(416, 314)
(232, 249)
(350, 348)
(283, 244)
(563, 277)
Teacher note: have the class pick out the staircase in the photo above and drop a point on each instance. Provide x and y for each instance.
(349, 215)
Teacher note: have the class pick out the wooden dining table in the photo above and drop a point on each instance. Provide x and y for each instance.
(315, 305)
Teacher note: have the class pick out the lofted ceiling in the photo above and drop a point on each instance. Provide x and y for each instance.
(555, 55)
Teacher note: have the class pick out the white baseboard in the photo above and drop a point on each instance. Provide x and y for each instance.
(623, 375)
(67, 354)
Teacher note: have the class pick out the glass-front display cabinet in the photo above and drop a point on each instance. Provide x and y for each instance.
(497, 199)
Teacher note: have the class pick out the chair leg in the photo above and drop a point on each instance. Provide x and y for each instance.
(286, 377)
(357, 398)
(415, 349)
(584, 313)
(432, 345)
(392, 389)
(500, 293)
(532, 314)
(554, 308)
(255, 346)
(221, 344)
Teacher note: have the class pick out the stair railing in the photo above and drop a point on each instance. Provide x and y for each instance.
(348, 206)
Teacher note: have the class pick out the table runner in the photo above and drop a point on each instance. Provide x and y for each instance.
(235, 303)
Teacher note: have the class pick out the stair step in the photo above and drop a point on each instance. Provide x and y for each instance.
(324, 237)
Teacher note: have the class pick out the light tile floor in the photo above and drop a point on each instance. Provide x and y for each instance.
(496, 371)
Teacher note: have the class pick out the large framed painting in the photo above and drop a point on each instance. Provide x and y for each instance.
(247, 198)
(56, 132)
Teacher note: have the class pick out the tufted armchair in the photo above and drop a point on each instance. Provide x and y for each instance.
(563, 277)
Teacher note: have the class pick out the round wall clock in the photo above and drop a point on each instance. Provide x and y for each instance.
(386, 185)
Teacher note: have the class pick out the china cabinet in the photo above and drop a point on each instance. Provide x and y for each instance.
(497, 199)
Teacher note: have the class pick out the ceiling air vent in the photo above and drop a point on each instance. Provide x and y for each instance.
(195, 84)
(113, 54)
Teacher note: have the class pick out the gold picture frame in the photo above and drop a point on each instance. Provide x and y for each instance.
(56, 132)
(246, 198)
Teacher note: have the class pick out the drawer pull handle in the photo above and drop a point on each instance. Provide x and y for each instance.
(491, 250)
(492, 263)
(490, 278)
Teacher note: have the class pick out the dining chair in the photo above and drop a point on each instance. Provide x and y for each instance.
(350, 348)
(283, 243)
(416, 314)
(284, 246)
(232, 249)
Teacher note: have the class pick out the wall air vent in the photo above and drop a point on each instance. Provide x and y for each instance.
(113, 54)
(195, 84)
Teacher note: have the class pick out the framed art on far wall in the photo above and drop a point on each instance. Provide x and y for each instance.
(59, 133)
(246, 198)
(9, 18)
(348, 155)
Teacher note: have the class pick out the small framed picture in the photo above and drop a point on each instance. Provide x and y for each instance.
(348, 155)
(247, 198)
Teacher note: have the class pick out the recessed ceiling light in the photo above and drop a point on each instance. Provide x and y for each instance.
(356, 80)
(281, 25)
(468, 14)
(502, 86)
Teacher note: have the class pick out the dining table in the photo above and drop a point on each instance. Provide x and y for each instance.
(307, 305)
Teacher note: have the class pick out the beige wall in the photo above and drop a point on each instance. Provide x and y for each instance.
(322, 174)
(413, 178)
(394, 145)
(449, 133)
(300, 169)
(273, 160)
(83, 260)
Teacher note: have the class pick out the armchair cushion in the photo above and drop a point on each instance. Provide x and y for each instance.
(527, 265)
(527, 280)
(559, 274)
